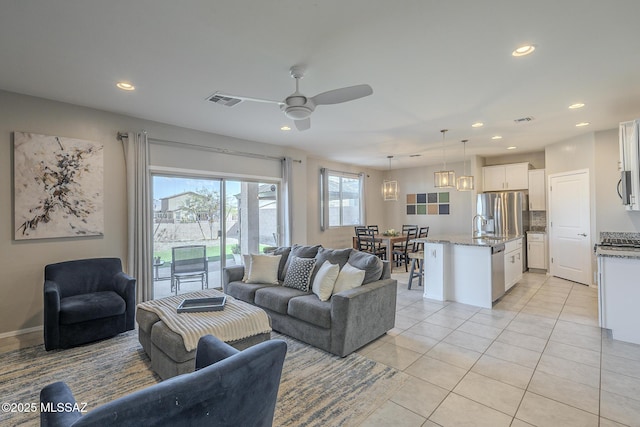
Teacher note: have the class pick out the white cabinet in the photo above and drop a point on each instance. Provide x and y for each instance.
(537, 190)
(512, 263)
(618, 296)
(505, 177)
(537, 251)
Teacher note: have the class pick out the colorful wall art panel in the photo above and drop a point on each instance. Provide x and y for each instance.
(428, 204)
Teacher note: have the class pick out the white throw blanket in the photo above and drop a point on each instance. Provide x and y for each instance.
(238, 320)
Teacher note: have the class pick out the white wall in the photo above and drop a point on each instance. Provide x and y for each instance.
(610, 213)
(420, 180)
(22, 262)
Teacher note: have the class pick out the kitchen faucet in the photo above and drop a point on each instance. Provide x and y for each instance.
(483, 222)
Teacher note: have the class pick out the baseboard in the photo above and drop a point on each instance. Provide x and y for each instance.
(21, 332)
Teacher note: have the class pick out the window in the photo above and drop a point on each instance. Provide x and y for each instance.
(229, 216)
(342, 199)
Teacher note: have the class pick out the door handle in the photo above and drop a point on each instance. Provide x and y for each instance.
(582, 234)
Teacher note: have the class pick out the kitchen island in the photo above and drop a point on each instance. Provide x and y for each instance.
(471, 270)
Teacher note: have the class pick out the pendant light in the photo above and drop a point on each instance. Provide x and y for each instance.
(465, 182)
(444, 178)
(390, 188)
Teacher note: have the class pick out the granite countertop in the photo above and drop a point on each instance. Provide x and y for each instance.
(614, 252)
(617, 252)
(468, 240)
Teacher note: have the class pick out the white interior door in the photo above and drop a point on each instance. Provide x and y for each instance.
(569, 226)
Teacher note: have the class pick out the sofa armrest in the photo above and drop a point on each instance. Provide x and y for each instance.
(212, 350)
(362, 314)
(55, 396)
(51, 314)
(125, 286)
(234, 273)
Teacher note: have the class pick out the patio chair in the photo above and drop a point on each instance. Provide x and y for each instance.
(189, 263)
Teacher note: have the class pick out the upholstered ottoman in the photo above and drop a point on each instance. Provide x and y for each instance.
(170, 338)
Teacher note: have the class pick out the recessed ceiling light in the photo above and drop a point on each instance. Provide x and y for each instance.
(513, 147)
(125, 86)
(579, 125)
(576, 105)
(477, 125)
(285, 128)
(496, 137)
(524, 50)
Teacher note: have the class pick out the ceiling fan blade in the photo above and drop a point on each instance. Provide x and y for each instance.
(303, 124)
(247, 98)
(345, 94)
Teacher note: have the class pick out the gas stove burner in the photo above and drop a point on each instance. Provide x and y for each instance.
(620, 242)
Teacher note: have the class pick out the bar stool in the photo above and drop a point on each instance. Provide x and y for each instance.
(416, 257)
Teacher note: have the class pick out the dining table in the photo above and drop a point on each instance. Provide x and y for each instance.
(388, 242)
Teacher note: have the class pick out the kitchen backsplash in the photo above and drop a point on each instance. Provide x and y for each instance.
(538, 219)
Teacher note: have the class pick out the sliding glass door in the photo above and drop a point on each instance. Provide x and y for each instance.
(219, 217)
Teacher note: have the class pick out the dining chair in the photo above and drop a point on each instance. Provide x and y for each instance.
(189, 263)
(406, 228)
(423, 232)
(367, 242)
(401, 255)
(374, 228)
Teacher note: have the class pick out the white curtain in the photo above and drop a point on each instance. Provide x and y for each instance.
(287, 201)
(136, 153)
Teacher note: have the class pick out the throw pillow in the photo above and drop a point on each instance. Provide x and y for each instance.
(301, 251)
(325, 280)
(246, 261)
(334, 256)
(284, 251)
(371, 264)
(264, 269)
(299, 273)
(349, 278)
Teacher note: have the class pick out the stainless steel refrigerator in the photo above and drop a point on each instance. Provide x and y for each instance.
(502, 214)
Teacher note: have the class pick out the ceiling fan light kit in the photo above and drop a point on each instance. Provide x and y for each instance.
(297, 106)
(444, 178)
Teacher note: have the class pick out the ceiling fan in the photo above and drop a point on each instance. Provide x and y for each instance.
(298, 106)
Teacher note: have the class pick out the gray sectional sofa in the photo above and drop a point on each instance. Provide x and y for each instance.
(346, 322)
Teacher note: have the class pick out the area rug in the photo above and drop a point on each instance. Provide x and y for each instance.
(317, 388)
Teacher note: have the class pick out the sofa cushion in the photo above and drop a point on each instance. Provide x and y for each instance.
(310, 309)
(276, 298)
(284, 251)
(334, 256)
(245, 291)
(264, 269)
(299, 273)
(302, 251)
(325, 280)
(371, 264)
(349, 278)
(96, 305)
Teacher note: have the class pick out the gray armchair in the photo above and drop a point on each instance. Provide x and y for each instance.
(228, 388)
(86, 300)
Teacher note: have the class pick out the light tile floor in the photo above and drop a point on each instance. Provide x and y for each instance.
(537, 358)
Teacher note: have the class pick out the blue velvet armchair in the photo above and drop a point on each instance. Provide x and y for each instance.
(229, 388)
(86, 300)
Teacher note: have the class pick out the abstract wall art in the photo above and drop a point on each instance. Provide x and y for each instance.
(58, 187)
(428, 204)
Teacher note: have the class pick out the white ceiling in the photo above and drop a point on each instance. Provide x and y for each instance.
(432, 65)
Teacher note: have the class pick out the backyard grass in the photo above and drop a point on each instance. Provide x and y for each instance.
(213, 253)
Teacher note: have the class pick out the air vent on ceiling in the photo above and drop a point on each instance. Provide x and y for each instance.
(227, 101)
(523, 119)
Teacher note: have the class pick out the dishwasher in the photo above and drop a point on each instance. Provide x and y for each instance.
(497, 271)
